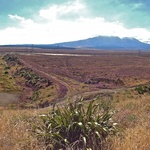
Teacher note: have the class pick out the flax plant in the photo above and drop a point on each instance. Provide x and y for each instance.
(76, 126)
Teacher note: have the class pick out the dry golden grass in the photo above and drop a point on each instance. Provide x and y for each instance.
(15, 130)
(134, 114)
(137, 138)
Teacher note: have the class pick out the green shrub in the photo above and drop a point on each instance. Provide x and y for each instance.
(35, 95)
(6, 72)
(76, 126)
(143, 89)
(7, 67)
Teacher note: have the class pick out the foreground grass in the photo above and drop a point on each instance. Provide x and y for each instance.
(137, 138)
(132, 113)
(15, 130)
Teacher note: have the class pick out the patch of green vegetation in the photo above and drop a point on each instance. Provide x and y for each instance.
(33, 79)
(7, 82)
(46, 95)
(12, 106)
(42, 90)
(7, 67)
(130, 106)
(75, 126)
(11, 59)
(132, 118)
(6, 72)
(35, 95)
(143, 89)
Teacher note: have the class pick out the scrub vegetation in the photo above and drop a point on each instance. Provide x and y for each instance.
(82, 109)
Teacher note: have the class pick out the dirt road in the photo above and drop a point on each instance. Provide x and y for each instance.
(70, 93)
(6, 98)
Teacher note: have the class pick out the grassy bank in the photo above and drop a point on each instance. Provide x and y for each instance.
(132, 114)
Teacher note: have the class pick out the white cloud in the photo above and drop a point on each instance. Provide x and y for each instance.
(22, 21)
(16, 17)
(68, 9)
(56, 29)
(140, 33)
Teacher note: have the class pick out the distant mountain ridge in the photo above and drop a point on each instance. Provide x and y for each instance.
(107, 42)
(99, 42)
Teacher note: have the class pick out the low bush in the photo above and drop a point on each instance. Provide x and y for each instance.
(143, 89)
(76, 126)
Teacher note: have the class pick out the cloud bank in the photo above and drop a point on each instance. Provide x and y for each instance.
(66, 22)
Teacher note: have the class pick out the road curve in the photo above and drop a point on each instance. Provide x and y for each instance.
(69, 89)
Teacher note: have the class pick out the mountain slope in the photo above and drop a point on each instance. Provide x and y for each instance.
(107, 42)
(99, 42)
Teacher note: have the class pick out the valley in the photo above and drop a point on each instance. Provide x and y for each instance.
(47, 78)
(31, 82)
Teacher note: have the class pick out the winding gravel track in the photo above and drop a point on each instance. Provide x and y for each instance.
(69, 89)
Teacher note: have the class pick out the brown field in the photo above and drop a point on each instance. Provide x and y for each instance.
(101, 71)
(110, 75)
(81, 73)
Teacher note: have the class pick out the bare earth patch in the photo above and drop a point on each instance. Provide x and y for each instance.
(6, 98)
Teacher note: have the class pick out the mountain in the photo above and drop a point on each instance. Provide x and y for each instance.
(107, 42)
(99, 42)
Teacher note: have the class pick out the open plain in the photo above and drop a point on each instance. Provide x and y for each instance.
(75, 73)
(32, 80)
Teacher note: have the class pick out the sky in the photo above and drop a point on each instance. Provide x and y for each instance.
(54, 21)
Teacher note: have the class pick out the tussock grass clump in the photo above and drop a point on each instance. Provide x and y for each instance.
(75, 126)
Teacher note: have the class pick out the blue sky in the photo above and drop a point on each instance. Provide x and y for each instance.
(52, 21)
